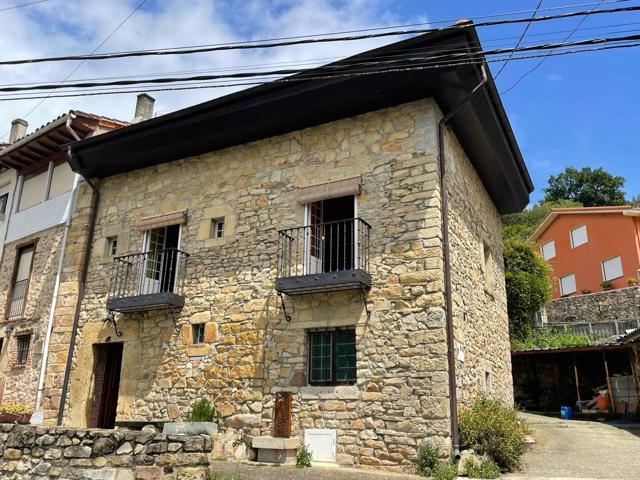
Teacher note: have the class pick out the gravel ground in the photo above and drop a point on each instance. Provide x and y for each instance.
(581, 450)
(250, 471)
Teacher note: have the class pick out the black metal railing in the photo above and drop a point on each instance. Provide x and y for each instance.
(160, 271)
(324, 247)
(18, 298)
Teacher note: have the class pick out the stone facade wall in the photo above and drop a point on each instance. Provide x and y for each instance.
(251, 351)
(622, 304)
(19, 383)
(483, 367)
(38, 452)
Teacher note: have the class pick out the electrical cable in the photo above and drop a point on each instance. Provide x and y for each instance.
(276, 44)
(246, 74)
(27, 4)
(297, 78)
(524, 32)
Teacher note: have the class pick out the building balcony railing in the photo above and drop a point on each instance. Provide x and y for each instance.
(324, 257)
(148, 281)
(18, 298)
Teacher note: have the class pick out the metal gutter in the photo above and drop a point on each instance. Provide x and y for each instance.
(444, 209)
(81, 289)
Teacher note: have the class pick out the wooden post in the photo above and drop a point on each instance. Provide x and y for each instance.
(632, 360)
(282, 416)
(606, 371)
(575, 373)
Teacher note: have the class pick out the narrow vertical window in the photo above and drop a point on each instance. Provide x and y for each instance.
(217, 228)
(112, 246)
(20, 284)
(22, 349)
(3, 205)
(197, 333)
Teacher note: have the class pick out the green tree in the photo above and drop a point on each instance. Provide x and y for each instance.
(635, 201)
(590, 187)
(528, 285)
(522, 224)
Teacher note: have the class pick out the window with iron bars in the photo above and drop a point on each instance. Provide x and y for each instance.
(22, 349)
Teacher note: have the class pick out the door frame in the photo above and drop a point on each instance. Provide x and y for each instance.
(145, 250)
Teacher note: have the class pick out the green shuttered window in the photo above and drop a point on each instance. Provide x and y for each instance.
(332, 357)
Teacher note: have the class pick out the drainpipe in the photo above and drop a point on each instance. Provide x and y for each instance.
(81, 286)
(37, 417)
(453, 395)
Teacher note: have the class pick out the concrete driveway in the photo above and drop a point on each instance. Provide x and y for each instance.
(581, 450)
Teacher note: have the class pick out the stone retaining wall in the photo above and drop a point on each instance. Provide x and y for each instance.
(622, 305)
(58, 452)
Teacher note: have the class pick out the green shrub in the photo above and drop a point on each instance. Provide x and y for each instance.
(203, 411)
(445, 471)
(485, 468)
(428, 456)
(303, 457)
(551, 338)
(493, 429)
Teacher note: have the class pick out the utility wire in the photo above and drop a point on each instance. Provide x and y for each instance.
(299, 78)
(317, 61)
(22, 5)
(275, 44)
(336, 67)
(77, 67)
(524, 32)
(539, 64)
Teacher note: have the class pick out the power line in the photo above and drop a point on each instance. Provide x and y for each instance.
(496, 42)
(27, 4)
(302, 77)
(317, 39)
(337, 67)
(94, 50)
(524, 32)
(539, 64)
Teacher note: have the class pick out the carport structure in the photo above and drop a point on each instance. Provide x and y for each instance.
(547, 378)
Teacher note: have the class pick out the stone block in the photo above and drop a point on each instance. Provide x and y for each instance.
(79, 451)
(275, 443)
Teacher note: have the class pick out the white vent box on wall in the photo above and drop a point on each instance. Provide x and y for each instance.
(322, 444)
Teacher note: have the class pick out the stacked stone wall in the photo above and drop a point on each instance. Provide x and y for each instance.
(19, 382)
(30, 452)
(483, 352)
(251, 351)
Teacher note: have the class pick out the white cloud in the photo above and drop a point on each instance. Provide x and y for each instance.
(55, 28)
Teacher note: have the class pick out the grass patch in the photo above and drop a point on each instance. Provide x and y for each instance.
(485, 468)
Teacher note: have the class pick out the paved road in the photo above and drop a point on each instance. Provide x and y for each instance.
(581, 450)
(246, 471)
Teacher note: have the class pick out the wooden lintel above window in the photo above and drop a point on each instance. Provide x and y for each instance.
(164, 220)
(328, 190)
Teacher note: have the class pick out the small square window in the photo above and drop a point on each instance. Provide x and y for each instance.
(568, 284)
(22, 353)
(197, 333)
(579, 236)
(548, 250)
(112, 246)
(217, 228)
(612, 269)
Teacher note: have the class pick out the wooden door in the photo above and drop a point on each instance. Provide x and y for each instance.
(107, 384)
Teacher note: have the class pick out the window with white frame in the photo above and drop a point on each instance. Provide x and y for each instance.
(112, 246)
(612, 268)
(579, 236)
(217, 228)
(62, 178)
(45, 185)
(548, 250)
(567, 284)
(33, 187)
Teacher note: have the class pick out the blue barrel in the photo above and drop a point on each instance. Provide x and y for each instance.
(566, 413)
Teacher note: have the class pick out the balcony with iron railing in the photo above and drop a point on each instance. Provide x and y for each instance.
(148, 281)
(324, 257)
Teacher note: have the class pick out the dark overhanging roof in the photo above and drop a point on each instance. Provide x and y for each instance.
(280, 107)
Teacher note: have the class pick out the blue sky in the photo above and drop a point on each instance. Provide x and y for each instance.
(577, 110)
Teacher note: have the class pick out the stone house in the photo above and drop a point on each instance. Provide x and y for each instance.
(37, 197)
(295, 237)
